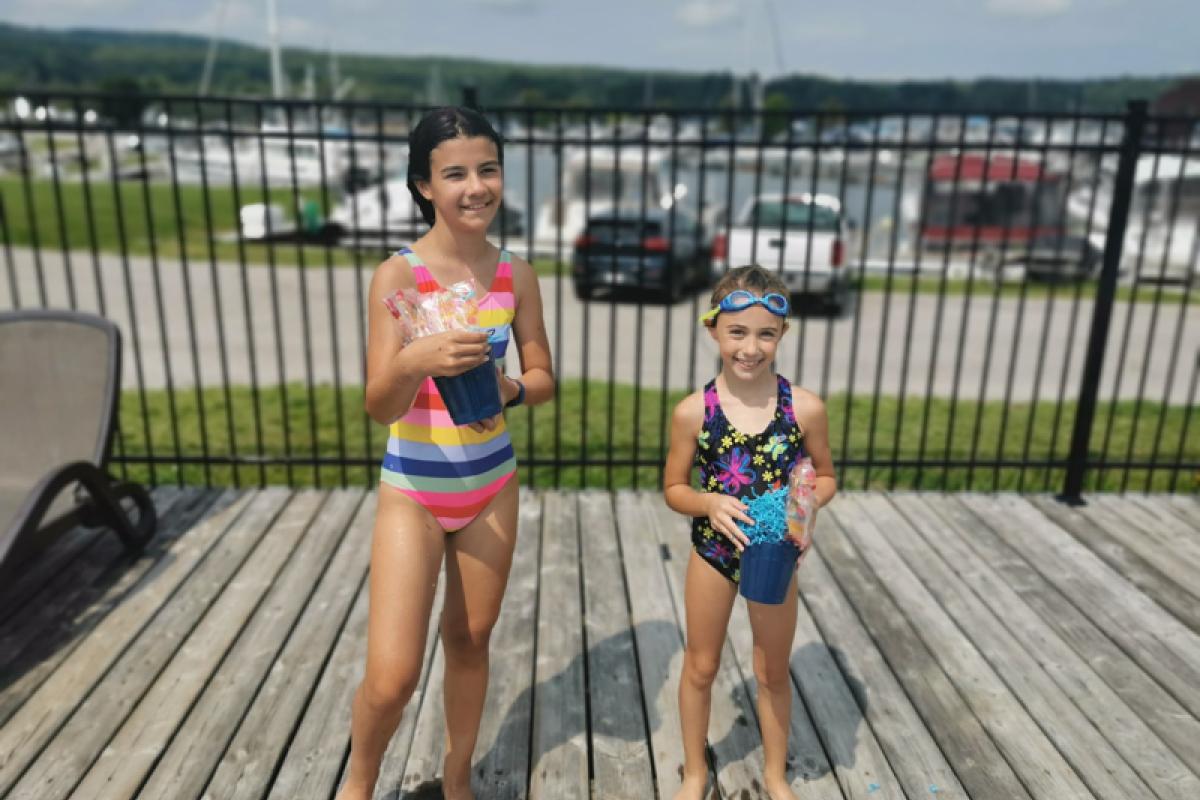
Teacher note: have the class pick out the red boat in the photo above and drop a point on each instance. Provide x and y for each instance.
(1010, 210)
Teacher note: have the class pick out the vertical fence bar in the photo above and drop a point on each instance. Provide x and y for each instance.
(850, 285)
(642, 227)
(31, 217)
(530, 156)
(912, 307)
(353, 190)
(185, 280)
(862, 277)
(302, 281)
(259, 138)
(64, 240)
(9, 262)
(1176, 346)
(530, 216)
(247, 313)
(968, 295)
(1188, 412)
(585, 339)
(160, 308)
(1076, 301)
(998, 257)
(703, 243)
(1089, 389)
(887, 305)
(1147, 217)
(690, 288)
(617, 180)
(1034, 223)
(1171, 218)
(135, 337)
(215, 286)
(943, 279)
(89, 213)
(809, 234)
(1048, 312)
(331, 291)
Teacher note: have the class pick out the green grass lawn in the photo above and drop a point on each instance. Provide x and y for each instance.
(558, 431)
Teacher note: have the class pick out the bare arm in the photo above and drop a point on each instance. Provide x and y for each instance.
(810, 413)
(395, 371)
(529, 331)
(720, 509)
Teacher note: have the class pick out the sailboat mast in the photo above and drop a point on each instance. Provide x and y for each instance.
(278, 85)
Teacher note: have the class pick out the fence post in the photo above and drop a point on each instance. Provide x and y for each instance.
(470, 97)
(1114, 241)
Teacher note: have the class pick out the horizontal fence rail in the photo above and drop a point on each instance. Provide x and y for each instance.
(984, 301)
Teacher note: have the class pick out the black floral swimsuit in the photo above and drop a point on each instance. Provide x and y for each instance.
(743, 466)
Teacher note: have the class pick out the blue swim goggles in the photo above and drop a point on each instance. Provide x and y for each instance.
(741, 299)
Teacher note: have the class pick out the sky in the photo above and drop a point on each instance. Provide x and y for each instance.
(873, 39)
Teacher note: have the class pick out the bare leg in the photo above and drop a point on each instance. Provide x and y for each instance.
(774, 628)
(708, 598)
(478, 559)
(406, 555)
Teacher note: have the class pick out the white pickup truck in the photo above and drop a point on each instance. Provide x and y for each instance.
(801, 236)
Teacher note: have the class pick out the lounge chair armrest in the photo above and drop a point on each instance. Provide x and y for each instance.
(104, 495)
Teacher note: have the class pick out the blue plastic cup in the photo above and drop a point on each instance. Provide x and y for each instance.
(473, 395)
(767, 571)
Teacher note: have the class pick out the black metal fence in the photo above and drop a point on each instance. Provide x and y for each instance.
(984, 301)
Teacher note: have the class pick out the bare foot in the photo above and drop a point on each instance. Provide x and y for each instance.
(457, 790)
(693, 787)
(352, 790)
(779, 789)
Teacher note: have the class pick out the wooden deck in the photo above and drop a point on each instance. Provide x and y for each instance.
(965, 646)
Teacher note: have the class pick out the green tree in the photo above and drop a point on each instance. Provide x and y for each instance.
(123, 102)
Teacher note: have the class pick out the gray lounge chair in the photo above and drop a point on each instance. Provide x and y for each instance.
(60, 375)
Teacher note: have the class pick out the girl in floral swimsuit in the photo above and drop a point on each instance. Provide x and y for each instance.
(745, 431)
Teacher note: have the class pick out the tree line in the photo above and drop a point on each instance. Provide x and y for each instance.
(146, 64)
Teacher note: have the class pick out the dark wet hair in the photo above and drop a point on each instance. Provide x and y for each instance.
(440, 124)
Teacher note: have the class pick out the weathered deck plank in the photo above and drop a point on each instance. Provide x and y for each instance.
(984, 772)
(559, 756)
(1108, 746)
(828, 621)
(987, 647)
(1157, 572)
(66, 695)
(73, 601)
(122, 764)
(185, 765)
(1030, 752)
(658, 637)
(1162, 646)
(249, 762)
(620, 754)
(1162, 712)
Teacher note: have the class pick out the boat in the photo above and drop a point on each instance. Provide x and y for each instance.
(384, 215)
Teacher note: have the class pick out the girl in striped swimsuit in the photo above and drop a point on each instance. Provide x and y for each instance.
(448, 493)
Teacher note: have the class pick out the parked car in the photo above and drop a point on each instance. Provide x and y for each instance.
(804, 236)
(625, 250)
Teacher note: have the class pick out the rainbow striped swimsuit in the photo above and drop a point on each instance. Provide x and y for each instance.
(451, 470)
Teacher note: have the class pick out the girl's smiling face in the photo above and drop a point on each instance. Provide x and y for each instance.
(466, 182)
(747, 340)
